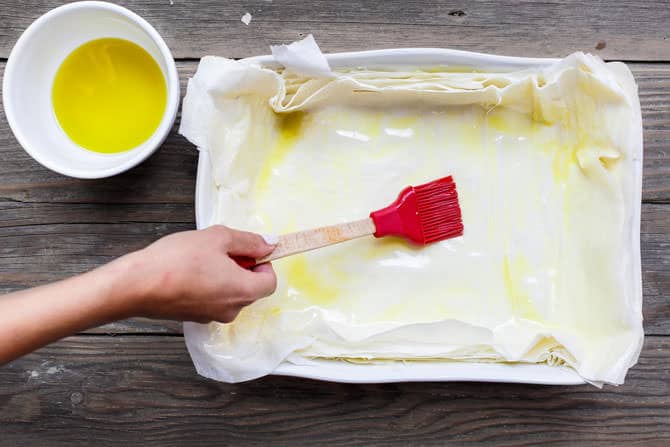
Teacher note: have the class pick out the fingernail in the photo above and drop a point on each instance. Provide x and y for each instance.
(270, 239)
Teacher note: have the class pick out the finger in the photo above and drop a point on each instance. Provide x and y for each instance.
(260, 282)
(244, 243)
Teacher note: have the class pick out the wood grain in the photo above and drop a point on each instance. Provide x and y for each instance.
(654, 90)
(143, 391)
(168, 176)
(624, 30)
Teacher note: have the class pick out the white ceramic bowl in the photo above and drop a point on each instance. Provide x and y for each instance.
(29, 75)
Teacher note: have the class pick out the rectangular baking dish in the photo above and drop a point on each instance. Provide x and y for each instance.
(379, 372)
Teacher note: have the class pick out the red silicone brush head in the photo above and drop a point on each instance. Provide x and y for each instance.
(423, 214)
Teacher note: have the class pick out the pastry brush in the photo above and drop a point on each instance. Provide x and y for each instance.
(421, 214)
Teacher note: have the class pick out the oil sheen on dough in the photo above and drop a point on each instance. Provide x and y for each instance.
(543, 161)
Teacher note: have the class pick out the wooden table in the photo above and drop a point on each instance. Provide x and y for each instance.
(133, 381)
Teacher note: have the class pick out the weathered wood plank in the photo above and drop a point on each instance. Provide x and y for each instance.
(624, 30)
(655, 243)
(48, 252)
(19, 214)
(144, 390)
(45, 242)
(654, 90)
(169, 175)
(136, 326)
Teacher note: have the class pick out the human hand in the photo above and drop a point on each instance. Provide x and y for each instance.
(190, 275)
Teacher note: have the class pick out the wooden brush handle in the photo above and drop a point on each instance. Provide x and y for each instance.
(302, 241)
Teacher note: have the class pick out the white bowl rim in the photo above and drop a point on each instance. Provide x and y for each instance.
(150, 145)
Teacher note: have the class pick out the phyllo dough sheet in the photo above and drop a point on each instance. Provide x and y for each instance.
(547, 166)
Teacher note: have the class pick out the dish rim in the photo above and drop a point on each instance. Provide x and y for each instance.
(439, 371)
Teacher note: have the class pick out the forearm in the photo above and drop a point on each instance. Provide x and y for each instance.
(35, 317)
(186, 276)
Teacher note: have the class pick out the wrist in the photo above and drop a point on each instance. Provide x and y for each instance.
(130, 286)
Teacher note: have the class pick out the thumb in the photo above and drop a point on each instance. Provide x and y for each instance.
(262, 280)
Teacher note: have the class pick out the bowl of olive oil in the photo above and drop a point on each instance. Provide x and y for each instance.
(90, 90)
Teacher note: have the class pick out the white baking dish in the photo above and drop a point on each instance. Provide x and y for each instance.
(406, 371)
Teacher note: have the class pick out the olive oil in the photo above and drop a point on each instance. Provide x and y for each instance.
(109, 95)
